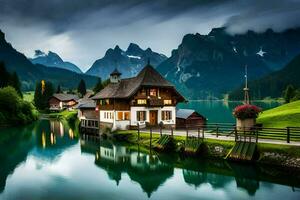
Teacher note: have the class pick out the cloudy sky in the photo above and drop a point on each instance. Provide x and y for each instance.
(81, 31)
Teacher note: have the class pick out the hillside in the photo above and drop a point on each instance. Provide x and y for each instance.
(53, 60)
(129, 62)
(29, 73)
(272, 85)
(282, 116)
(213, 64)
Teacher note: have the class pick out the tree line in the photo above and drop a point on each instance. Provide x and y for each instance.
(13, 109)
(9, 79)
(291, 93)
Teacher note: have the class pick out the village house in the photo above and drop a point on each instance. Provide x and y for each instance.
(86, 109)
(189, 117)
(61, 101)
(145, 99)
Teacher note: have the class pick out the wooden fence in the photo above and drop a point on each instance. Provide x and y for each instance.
(252, 134)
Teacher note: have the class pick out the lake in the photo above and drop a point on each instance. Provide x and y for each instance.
(221, 111)
(49, 160)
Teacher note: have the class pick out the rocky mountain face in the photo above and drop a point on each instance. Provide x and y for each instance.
(53, 60)
(206, 66)
(129, 62)
(30, 73)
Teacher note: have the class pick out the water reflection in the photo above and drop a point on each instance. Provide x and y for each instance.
(46, 156)
(44, 139)
(150, 170)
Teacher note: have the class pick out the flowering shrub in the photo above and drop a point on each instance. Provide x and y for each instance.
(246, 111)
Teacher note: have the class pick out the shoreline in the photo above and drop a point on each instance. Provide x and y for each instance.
(275, 155)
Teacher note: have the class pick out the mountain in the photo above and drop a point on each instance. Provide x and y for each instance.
(53, 60)
(273, 84)
(30, 73)
(210, 65)
(129, 62)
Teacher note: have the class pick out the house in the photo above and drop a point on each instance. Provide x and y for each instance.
(188, 117)
(60, 101)
(87, 109)
(146, 98)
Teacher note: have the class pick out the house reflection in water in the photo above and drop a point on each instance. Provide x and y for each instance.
(147, 170)
(57, 127)
(52, 134)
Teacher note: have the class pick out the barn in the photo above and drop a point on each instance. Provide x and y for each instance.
(189, 117)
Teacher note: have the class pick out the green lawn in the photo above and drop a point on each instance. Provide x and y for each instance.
(281, 116)
(28, 96)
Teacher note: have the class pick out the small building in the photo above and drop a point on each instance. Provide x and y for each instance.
(146, 98)
(189, 117)
(87, 109)
(61, 101)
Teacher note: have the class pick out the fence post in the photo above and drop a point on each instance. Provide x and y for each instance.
(288, 134)
(187, 132)
(160, 131)
(150, 137)
(203, 132)
(217, 130)
(138, 126)
(235, 133)
(256, 135)
(172, 131)
(198, 133)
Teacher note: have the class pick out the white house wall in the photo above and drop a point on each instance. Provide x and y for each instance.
(133, 116)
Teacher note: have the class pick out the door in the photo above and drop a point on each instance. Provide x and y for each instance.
(153, 117)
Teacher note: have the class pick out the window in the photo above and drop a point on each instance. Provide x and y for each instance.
(143, 92)
(166, 115)
(141, 115)
(106, 101)
(120, 116)
(126, 115)
(153, 92)
(142, 101)
(167, 102)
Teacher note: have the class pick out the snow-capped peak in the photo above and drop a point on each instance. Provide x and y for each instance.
(132, 56)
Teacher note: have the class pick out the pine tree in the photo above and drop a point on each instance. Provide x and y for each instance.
(289, 93)
(15, 82)
(41, 99)
(81, 87)
(38, 95)
(98, 87)
(4, 75)
(58, 90)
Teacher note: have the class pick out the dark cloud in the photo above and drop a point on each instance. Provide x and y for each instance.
(81, 30)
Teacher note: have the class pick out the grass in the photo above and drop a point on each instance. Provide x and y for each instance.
(64, 115)
(281, 116)
(28, 96)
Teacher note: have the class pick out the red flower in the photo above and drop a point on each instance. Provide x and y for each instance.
(246, 111)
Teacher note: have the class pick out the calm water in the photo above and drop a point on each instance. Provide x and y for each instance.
(48, 160)
(221, 111)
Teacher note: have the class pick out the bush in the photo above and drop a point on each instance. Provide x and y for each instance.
(13, 109)
(246, 111)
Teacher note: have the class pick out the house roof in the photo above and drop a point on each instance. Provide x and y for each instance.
(65, 97)
(86, 103)
(116, 72)
(184, 113)
(127, 87)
